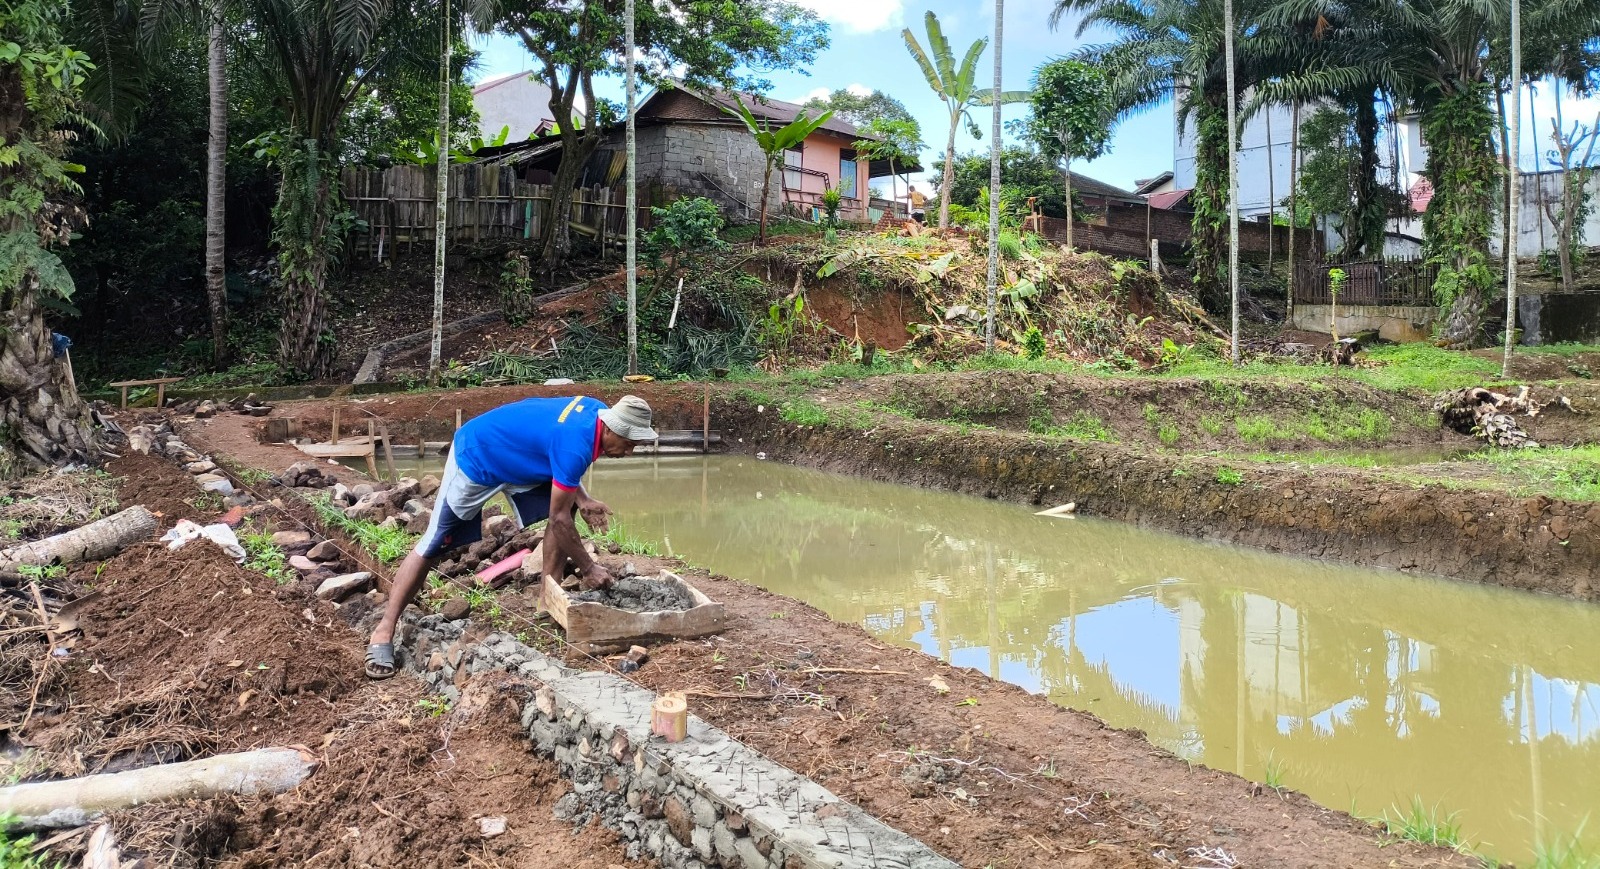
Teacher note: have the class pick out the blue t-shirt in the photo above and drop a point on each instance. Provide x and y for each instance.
(532, 441)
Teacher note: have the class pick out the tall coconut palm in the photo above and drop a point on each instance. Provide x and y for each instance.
(1168, 48)
(325, 54)
(957, 86)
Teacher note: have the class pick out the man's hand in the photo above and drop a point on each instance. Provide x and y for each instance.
(597, 576)
(596, 515)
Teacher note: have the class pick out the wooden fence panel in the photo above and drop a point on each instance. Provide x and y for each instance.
(1382, 282)
(396, 206)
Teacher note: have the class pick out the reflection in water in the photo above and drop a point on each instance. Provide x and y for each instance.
(1360, 688)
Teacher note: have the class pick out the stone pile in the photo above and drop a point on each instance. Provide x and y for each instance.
(159, 439)
(207, 408)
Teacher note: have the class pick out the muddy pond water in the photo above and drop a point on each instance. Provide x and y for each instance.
(1370, 691)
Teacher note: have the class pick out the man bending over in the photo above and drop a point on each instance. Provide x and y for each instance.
(536, 451)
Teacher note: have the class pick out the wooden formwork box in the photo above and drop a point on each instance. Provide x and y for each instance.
(596, 628)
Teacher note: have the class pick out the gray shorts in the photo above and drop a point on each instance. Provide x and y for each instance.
(457, 507)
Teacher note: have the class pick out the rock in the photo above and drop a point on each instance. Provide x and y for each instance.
(427, 486)
(455, 608)
(361, 490)
(303, 564)
(186, 407)
(220, 485)
(204, 466)
(259, 410)
(239, 499)
(290, 538)
(491, 827)
(499, 525)
(372, 508)
(419, 523)
(414, 507)
(205, 409)
(141, 439)
(327, 550)
(340, 587)
(391, 522)
(341, 495)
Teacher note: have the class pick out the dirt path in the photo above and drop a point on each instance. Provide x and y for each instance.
(984, 772)
(186, 654)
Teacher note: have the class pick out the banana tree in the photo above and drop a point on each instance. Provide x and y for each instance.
(773, 142)
(957, 86)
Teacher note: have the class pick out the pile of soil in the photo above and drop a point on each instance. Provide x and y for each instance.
(638, 594)
(184, 653)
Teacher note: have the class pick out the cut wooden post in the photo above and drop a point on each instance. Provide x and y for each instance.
(705, 422)
(334, 437)
(458, 419)
(669, 717)
(388, 455)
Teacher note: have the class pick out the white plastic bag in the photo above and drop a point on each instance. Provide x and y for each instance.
(217, 533)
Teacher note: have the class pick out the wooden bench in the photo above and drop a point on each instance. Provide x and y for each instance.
(160, 383)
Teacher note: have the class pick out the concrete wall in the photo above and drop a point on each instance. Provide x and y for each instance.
(1535, 232)
(520, 102)
(1559, 317)
(708, 801)
(684, 156)
(1393, 323)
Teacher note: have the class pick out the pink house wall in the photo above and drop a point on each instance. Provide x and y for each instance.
(821, 153)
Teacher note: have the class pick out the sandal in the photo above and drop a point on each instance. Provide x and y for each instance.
(380, 661)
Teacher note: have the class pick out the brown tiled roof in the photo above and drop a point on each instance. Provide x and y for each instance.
(688, 104)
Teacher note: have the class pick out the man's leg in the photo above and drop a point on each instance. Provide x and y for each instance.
(455, 522)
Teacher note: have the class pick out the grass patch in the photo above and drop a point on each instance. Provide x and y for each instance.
(265, 558)
(1566, 852)
(1229, 476)
(386, 544)
(1083, 426)
(1401, 367)
(1333, 425)
(1418, 823)
(16, 851)
(618, 534)
(1568, 473)
(1211, 425)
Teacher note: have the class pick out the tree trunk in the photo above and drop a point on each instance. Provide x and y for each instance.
(1068, 175)
(1294, 214)
(1209, 238)
(441, 206)
(1461, 164)
(1233, 180)
(303, 217)
(1513, 186)
(77, 801)
(1502, 126)
(91, 542)
(216, 184)
(992, 284)
(766, 190)
(43, 422)
(949, 174)
(1364, 232)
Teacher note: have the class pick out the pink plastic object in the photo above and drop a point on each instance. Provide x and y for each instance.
(510, 563)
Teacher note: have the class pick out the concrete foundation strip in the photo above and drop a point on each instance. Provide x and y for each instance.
(707, 801)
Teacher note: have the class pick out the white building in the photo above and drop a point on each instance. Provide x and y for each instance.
(517, 101)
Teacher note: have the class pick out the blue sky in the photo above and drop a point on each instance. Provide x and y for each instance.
(868, 51)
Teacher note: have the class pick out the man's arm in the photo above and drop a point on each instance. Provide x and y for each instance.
(561, 540)
(594, 512)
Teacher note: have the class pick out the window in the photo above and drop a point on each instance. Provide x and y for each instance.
(847, 174)
(791, 169)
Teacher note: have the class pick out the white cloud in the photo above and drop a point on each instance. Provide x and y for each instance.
(814, 94)
(859, 89)
(858, 16)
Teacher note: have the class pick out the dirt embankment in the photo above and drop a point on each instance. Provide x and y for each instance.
(186, 654)
(1190, 415)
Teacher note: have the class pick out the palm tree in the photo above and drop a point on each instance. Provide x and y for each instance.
(325, 55)
(957, 87)
(773, 142)
(1175, 47)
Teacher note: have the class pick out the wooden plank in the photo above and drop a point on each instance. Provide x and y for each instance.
(593, 627)
(346, 450)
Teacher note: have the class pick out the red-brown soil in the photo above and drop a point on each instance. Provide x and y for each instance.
(184, 654)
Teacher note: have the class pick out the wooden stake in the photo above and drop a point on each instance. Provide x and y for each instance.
(458, 419)
(372, 450)
(388, 455)
(334, 437)
(705, 422)
(669, 717)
